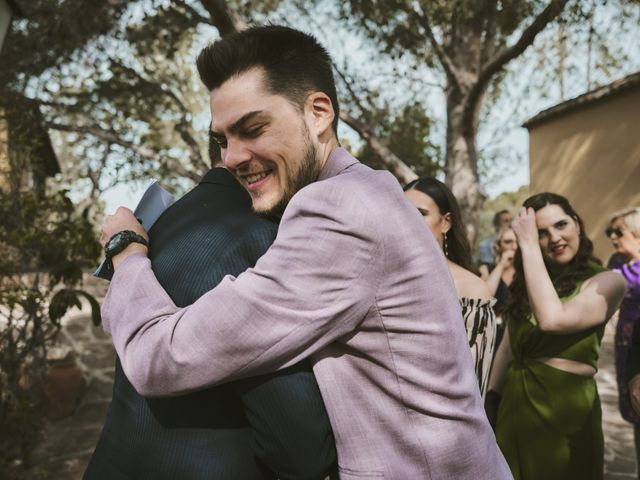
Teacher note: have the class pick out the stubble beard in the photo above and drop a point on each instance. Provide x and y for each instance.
(297, 176)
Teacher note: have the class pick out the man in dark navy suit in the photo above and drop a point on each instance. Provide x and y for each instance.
(267, 427)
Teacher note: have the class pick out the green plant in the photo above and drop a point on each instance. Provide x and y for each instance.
(44, 247)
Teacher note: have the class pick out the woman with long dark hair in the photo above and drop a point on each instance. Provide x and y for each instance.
(441, 212)
(549, 422)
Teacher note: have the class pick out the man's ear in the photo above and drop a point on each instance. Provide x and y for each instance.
(319, 113)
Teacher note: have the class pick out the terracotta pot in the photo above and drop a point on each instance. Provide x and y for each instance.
(63, 386)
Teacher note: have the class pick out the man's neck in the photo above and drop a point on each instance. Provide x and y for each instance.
(325, 148)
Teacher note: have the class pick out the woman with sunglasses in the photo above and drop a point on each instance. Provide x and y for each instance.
(441, 213)
(549, 423)
(624, 232)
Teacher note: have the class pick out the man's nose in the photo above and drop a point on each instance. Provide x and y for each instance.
(235, 155)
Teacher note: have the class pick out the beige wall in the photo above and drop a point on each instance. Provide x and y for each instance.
(591, 155)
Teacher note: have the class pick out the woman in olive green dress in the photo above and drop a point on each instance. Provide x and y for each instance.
(549, 419)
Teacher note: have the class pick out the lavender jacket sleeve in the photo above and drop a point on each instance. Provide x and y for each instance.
(314, 285)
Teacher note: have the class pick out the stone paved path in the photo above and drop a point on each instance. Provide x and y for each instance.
(69, 443)
(619, 455)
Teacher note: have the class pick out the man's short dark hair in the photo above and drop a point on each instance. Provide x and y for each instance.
(295, 63)
(496, 217)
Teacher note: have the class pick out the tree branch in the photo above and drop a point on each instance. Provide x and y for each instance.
(490, 10)
(182, 127)
(527, 37)
(386, 156)
(445, 60)
(112, 137)
(195, 156)
(493, 66)
(347, 83)
(393, 163)
(96, 191)
(223, 18)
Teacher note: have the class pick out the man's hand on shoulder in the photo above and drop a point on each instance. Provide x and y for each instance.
(123, 219)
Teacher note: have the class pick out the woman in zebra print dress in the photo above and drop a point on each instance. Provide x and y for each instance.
(441, 212)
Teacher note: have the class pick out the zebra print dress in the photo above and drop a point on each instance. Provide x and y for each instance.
(480, 323)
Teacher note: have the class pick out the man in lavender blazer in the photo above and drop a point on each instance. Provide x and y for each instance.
(353, 280)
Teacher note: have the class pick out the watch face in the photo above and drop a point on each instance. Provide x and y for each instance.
(111, 245)
(120, 240)
(117, 238)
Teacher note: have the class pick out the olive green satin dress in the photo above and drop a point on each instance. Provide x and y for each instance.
(549, 424)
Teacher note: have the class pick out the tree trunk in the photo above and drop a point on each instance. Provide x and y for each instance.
(461, 163)
(461, 159)
(470, 61)
(226, 20)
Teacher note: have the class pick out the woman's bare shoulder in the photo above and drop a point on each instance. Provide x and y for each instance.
(609, 283)
(468, 284)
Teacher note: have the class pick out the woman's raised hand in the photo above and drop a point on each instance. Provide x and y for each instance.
(525, 228)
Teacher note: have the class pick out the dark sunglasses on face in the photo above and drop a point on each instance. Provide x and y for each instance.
(619, 232)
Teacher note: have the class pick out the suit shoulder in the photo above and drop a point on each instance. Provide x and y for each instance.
(342, 206)
(359, 187)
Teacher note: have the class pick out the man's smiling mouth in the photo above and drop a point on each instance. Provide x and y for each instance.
(256, 177)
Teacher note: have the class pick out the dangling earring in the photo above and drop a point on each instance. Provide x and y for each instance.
(446, 249)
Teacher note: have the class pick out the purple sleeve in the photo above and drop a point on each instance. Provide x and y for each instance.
(314, 285)
(631, 273)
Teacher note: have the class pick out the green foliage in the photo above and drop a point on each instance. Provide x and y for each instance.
(66, 298)
(119, 83)
(400, 26)
(46, 235)
(44, 245)
(117, 77)
(48, 33)
(407, 134)
(162, 31)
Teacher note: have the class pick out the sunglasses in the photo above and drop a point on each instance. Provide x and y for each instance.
(619, 232)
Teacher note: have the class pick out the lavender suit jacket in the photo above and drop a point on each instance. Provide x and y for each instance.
(355, 281)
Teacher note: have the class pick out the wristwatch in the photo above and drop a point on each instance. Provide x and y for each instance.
(121, 240)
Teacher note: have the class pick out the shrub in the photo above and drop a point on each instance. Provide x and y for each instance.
(44, 247)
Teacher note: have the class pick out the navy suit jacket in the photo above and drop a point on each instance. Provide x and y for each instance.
(257, 428)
